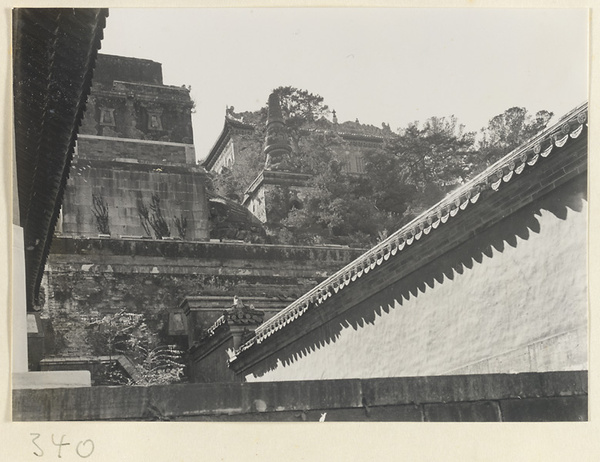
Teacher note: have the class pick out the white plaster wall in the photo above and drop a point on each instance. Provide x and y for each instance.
(524, 309)
(226, 159)
(257, 205)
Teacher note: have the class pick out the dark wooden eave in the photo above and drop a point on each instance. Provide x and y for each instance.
(54, 52)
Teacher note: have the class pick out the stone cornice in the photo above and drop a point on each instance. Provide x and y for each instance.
(137, 166)
(134, 140)
(162, 94)
(276, 177)
(195, 302)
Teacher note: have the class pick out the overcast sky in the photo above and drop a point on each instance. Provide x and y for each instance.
(375, 65)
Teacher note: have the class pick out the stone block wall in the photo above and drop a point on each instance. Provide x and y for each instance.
(110, 68)
(128, 100)
(530, 397)
(140, 151)
(89, 277)
(121, 186)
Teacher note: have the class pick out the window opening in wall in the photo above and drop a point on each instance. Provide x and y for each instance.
(154, 122)
(107, 116)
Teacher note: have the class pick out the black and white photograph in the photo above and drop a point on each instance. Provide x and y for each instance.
(298, 215)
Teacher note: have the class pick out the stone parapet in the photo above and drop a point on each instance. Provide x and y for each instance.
(532, 397)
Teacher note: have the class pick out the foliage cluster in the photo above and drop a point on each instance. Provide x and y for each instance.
(416, 166)
(127, 334)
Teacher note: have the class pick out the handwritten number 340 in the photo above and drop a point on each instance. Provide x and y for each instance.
(84, 448)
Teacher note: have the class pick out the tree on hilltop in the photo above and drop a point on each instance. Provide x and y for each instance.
(507, 131)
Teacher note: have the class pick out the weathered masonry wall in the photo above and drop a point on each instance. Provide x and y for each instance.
(209, 364)
(510, 299)
(533, 397)
(122, 185)
(128, 100)
(110, 68)
(88, 277)
(139, 151)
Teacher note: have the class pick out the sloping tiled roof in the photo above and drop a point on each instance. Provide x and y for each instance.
(526, 156)
(349, 131)
(237, 315)
(54, 51)
(224, 137)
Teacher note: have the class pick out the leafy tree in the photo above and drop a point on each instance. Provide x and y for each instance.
(414, 169)
(128, 334)
(301, 111)
(338, 208)
(420, 165)
(507, 131)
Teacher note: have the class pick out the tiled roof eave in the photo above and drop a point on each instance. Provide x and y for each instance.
(250, 190)
(85, 89)
(529, 154)
(231, 123)
(50, 95)
(218, 147)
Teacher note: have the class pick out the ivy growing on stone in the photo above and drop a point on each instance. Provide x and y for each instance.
(181, 225)
(100, 211)
(157, 221)
(151, 217)
(144, 215)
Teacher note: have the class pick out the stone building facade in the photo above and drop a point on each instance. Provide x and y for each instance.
(141, 231)
(129, 100)
(241, 136)
(135, 151)
(87, 278)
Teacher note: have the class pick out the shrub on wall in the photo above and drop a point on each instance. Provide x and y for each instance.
(127, 334)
